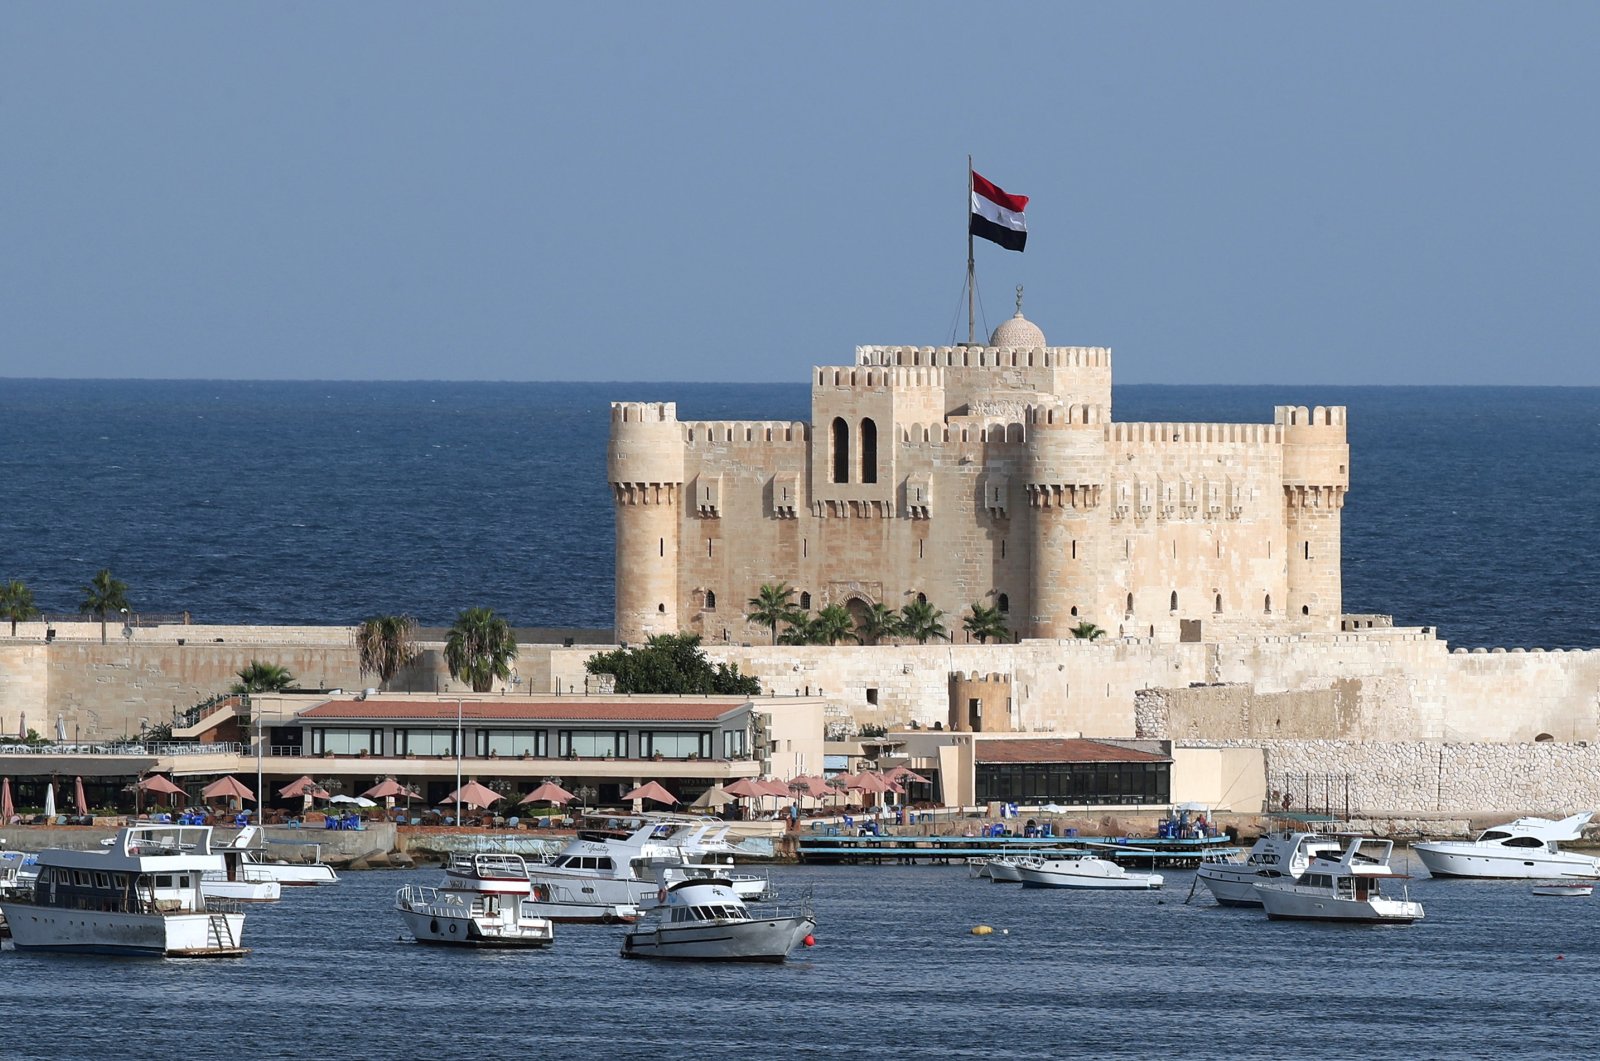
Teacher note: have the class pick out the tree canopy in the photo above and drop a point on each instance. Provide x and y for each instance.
(263, 678)
(16, 604)
(986, 623)
(480, 648)
(104, 594)
(386, 643)
(671, 663)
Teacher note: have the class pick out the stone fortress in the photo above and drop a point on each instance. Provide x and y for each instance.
(990, 475)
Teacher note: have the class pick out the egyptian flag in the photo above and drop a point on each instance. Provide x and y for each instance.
(996, 216)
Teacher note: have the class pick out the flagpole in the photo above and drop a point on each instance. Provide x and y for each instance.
(971, 275)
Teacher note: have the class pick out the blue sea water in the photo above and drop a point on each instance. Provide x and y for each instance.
(1473, 510)
(1491, 972)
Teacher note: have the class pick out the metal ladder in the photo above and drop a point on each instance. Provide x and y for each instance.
(219, 933)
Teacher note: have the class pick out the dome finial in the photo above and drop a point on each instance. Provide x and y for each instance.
(1019, 300)
(1018, 332)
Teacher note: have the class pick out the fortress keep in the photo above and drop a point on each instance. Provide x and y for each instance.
(981, 474)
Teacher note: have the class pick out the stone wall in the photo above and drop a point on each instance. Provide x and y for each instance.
(1397, 778)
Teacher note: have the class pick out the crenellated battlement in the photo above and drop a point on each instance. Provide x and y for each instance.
(723, 432)
(985, 356)
(877, 378)
(1067, 416)
(977, 676)
(1188, 434)
(1300, 416)
(643, 412)
(938, 433)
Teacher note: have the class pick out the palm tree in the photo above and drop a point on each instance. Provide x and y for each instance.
(16, 604)
(985, 623)
(480, 648)
(802, 629)
(881, 621)
(921, 622)
(832, 625)
(770, 606)
(104, 594)
(263, 678)
(386, 643)
(1088, 631)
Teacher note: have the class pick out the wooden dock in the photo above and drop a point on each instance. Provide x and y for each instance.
(906, 848)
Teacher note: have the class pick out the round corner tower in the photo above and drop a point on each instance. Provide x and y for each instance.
(1066, 475)
(644, 464)
(1316, 475)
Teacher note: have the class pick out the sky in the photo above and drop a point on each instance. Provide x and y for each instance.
(1362, 193)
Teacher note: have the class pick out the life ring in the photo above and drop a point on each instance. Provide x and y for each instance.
(661, 896)
(453, 927)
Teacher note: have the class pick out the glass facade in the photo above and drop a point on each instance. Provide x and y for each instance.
(1075, 783)
(675, 744)
(425, 741)
(346, 741)
(593, 744)
(513, 742)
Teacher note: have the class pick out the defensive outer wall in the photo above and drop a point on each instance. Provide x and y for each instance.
(1413, 725)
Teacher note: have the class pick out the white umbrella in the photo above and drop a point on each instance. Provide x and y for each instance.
(49, 800)
(362, 801)
(341, 798)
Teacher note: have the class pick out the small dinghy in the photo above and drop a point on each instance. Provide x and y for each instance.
(1568, 891)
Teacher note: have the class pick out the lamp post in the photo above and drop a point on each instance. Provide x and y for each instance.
(260, 773)
(458, 763)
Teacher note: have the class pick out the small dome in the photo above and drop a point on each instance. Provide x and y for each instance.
(1018, 331)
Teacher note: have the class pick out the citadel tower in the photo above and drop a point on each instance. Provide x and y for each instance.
(990, 474)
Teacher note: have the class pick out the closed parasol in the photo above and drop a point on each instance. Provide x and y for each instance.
(78, 797)
(651, 790)
(8, 810)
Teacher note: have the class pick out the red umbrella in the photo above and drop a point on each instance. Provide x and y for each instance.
(651, 790)
(550, 791)
(775, 788)
(745, 786)
(157, 785)
(8, 810)
(226, 788)
(869, 782)
(815, 787)
(473, 795)
(297, 788)
(385, 789)
(77, 794)
(904, 774)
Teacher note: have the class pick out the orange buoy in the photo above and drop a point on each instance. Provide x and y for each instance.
(810, 940)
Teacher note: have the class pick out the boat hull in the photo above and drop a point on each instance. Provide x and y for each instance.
(1004, 873)
(295, 875)
(1450, 858)
(242, 891)
(1087, 873)
(187, 935)
(1229, 887)
(1283, 904)
(764, 940)
(454, 929)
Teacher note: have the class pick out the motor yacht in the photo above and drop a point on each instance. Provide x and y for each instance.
(1524, 849)
(1274, 856)
(1086, 871)
(704, 919)
(1007, 869)
(485, 901)
(238, 879)
(612, 871)
(1346, 886)
(141, 895)
(288, 874)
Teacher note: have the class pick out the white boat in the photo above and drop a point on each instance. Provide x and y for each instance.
(1525, 849)
(1007, 869)
(288, 874)
(1086, 871)
(1566, 891)
(706, 920)
(484, 902)
(1344, 887)
(1274, 856)
(611, 871)
(141, 895)
(238, 880)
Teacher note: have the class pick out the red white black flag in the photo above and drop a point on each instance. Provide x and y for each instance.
(996, 216)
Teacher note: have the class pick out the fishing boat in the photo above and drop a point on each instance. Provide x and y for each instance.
(141, 895)
(1527, 848)
(704, 919)
(1344, 887)
(483, 902)
(1086, 871)
(1273, 856)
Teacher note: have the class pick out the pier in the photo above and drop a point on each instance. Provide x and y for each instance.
(918, 847)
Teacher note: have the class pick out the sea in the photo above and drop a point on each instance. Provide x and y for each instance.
(1491, 972)
(1472, 510)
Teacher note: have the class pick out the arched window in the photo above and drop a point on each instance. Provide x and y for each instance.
(922, 598)
(1174, 604)
(1305, 609)
(1074, 611)
(711, 600)
(1218, 606)
(1267, 610)
(1004, 603)
(661, 608)
(869, 451)
(841, 450)
(805, 602)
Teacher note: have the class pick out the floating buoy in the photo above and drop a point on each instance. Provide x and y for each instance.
(1561, 957)
(810, 940)
(982, 930)
(1005, 932)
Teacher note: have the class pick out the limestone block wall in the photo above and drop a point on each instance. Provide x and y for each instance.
(1425, 777)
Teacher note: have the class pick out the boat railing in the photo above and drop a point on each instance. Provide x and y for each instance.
(222, 906)
(796, 902)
